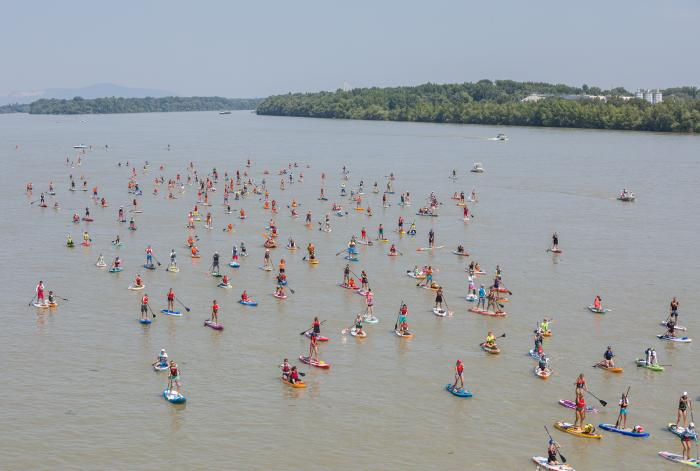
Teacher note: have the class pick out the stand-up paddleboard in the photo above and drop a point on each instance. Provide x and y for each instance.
(569, 428)
(425, 249)
(457, 392)
(643, 364)
(225, 286)
(487, 313)
(355, 333)
(612, 369)
(623, 431)
(173, 397)
(234, 264)
(115, 269)
(405, 335)
(317, 363)
(320, 338)
(675, 339)
(136, 288)
(598, 311)
(542, 462)
(572, 405)
(543, 374)
(679, 459)
(214, 325)
(249, 302)
(173, 269)
(46, 305)
(170, 313)
(145, 321)
(441, 312)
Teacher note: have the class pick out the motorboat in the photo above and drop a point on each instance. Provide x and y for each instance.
(626, 196)
(478, 168)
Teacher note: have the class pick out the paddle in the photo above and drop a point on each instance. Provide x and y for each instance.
(602, 402)
(692, 419)
(396, 324)
(32, 202)
(340, 252)
(347, 329)
(290, 289)
(32, 301)
(62, 299)
(563, 459)
(305, 331)
(154, 258)
(152, 313)
(445, 301)
(178, 300)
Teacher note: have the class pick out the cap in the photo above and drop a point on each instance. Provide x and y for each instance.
(459, 361)
(685, 393)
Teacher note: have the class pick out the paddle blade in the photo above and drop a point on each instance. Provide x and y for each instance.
(563, 459)
(603, 403)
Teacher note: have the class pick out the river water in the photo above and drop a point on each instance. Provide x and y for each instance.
(78, 389)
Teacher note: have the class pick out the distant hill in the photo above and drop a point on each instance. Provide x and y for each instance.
(97, 90)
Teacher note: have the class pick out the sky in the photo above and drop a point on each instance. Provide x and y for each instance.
(259, 47)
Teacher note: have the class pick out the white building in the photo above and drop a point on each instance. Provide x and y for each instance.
(652, 96)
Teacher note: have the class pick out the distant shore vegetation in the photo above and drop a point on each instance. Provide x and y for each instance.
(110, 105)
(503, 102)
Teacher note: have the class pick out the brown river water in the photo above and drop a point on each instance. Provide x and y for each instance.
(78, 388)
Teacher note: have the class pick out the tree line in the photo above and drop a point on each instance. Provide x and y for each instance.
(498, 103)
(80, 105)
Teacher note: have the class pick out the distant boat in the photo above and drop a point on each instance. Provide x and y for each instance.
(502, 137)
(627, 196)
(224, 112)
(478, 168)
(80, 146)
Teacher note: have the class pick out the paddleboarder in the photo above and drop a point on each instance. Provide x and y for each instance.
(622, 416)
(171, 300)
(552, 452)
(174, 378)
(144, 306)
(684, 404)
(215, 264)
(438, 299)
(459, 376)
(214, 312)
(313, 347)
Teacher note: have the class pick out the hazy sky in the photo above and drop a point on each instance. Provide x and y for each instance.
(258, 48)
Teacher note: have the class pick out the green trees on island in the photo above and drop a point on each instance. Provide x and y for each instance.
(498, 103)
(140, 105)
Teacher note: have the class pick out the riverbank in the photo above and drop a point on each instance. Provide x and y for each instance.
(499, 103)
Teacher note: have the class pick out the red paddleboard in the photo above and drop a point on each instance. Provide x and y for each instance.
(487, 313)
(312, 362)
(320, 338)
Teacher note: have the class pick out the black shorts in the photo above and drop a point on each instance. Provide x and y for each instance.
(144, 308)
